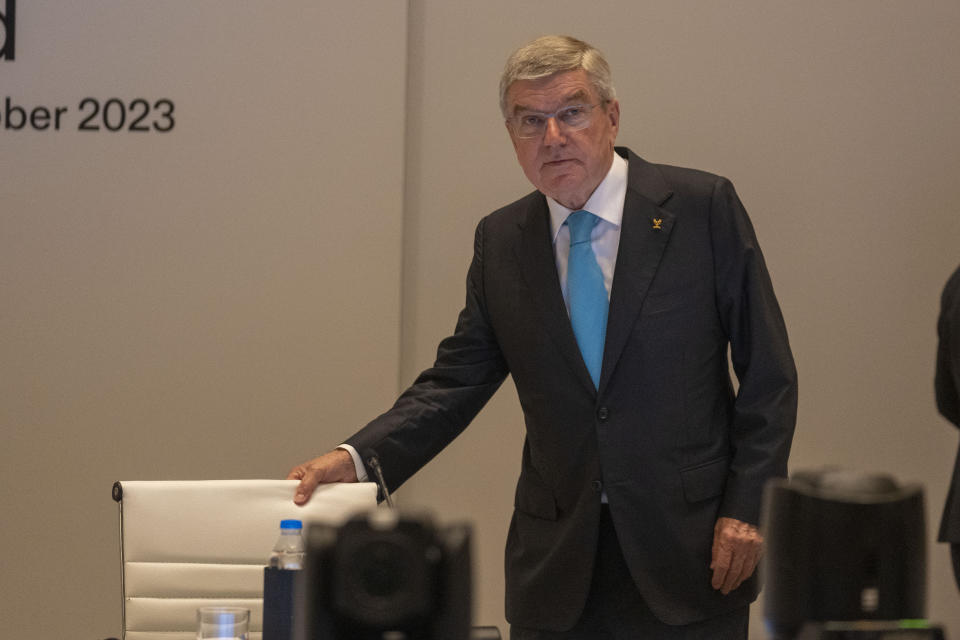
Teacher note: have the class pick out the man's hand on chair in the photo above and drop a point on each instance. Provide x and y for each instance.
(335, 466)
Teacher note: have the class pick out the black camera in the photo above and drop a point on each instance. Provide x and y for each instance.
(385, 576)
(845, 558)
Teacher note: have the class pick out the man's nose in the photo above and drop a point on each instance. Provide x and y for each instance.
(552, 134)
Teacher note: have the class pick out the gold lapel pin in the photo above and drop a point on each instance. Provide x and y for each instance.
(657, 224)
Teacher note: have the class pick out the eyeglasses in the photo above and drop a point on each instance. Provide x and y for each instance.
(532, 124)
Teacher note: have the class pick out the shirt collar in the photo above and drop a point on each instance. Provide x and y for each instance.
(606, 201)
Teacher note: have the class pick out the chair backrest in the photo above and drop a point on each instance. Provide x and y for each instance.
(188, 544)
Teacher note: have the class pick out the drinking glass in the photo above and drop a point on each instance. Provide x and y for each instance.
(223, 623)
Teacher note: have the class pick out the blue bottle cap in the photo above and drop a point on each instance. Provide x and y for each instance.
(291, 524)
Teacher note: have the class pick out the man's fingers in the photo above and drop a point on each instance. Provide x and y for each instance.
(733, 578)
(304, 491)
(719, 556)
(735, 553)
(309, 479)
(296, 473)
(720, 565)
(736, 577)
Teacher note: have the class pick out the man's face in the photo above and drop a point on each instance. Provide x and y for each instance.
(565, 164)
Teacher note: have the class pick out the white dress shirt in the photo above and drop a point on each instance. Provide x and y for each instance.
(606, 202)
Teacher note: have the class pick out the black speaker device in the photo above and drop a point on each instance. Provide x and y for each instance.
(845, 558)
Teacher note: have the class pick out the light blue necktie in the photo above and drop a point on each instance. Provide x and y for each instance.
(585, 293)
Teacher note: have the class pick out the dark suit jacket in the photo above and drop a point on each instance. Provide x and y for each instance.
(666, 435)
(947, 385)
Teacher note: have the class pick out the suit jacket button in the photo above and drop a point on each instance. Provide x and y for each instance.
(602, 414)
(597, 486)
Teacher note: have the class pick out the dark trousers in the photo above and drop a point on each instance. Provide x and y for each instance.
(616, 611)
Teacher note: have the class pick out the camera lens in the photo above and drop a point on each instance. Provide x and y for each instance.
(381, 568)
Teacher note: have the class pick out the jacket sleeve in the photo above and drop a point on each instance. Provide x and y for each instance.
(445, 398)
(947, 381)
(765, 407)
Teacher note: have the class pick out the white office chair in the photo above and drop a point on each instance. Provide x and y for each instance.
(184, 545)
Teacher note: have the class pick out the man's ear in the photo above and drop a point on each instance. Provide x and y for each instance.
(613, 113)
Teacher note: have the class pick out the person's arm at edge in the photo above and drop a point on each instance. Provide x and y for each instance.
(947, 381)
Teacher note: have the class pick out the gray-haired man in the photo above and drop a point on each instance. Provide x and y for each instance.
(611, 294)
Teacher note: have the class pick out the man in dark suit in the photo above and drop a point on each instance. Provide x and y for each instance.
(947, 385)
(611, 295)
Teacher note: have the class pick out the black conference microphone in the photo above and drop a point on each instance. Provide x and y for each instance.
(373, 462)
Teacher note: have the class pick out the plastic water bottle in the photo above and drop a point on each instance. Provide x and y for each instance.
(288, 551)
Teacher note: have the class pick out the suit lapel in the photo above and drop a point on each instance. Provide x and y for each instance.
(538, 268)
(644, 233)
